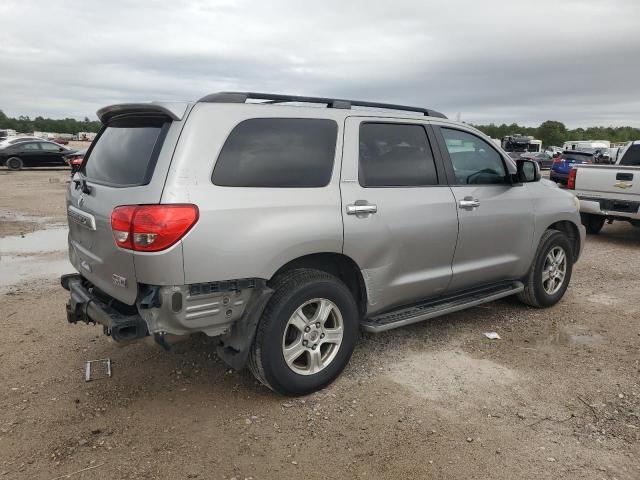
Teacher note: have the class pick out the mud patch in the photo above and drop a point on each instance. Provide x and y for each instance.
(447, 375)
(568, 335)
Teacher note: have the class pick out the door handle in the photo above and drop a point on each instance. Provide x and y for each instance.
(361, 209)
(469, 203)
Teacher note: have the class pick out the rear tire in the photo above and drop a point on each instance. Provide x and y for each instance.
(549, 276)
(14, 163)
(592, 223)
(297, 349)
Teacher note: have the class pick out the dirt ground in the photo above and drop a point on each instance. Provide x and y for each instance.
(557, 397)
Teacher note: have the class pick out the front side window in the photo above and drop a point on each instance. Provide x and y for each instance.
(395, 155)
(474, 161)
(278, 153)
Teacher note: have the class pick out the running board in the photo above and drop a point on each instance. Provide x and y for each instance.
(434, 308)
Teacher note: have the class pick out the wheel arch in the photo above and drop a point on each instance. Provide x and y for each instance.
(336, 264)
(570, 229)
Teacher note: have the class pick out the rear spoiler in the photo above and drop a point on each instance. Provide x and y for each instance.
(173, 110)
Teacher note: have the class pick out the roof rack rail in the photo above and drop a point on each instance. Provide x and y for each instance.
(242, 97)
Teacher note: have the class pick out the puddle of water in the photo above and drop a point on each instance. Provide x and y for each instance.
(15, 270)
(447, 374)
(48, 240)
(38, 254)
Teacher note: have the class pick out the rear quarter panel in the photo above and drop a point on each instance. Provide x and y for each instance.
(248, 232)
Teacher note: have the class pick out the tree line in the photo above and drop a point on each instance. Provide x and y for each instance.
(24, 124)
(556, 133)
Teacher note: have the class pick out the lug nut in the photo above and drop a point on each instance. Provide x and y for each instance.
(305, 343)
(322, 335)
(313, 347)
(307, 329)
(317, 324)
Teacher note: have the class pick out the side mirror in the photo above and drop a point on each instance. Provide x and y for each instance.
(60, 149)
(528, 171)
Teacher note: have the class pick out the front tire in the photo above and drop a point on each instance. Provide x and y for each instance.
(14, 163)
(307, 333)
(592, 223)
(550, 273)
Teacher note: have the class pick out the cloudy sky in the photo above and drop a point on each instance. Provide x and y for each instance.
(526, 61)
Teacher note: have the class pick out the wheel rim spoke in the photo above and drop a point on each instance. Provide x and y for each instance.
(333, 335)
(554, 270)
(299, 320)
(323, 311)
(315, 361)
(293, 351)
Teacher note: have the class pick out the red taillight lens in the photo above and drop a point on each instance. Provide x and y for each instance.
(151, 228)
(571, 181)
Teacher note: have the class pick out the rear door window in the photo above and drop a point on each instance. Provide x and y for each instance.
(395, 155)
(278, 152)
(125, 152)
(631, 156)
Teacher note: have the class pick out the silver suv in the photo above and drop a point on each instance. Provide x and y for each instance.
(282, 225)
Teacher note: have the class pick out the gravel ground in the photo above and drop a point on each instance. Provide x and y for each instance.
(557, 397)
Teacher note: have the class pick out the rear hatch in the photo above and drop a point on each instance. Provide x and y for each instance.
(126, 165)
(568, 159)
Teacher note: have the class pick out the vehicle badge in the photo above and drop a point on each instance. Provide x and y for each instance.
(623, 184)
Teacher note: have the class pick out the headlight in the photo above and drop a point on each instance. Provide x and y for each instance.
(576, 200)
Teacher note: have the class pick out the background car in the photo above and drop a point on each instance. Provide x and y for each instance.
(75, 159)
(33, 153)
(563, 164)
(543, 159)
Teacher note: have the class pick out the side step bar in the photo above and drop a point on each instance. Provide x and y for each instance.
(435, 308)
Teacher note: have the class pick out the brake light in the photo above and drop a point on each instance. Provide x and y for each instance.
(151, 228)
(571, 181)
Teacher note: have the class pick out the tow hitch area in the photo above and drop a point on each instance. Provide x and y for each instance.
(121, 322)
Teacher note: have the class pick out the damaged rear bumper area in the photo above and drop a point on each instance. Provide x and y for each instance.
(229, 310)
(122, 322)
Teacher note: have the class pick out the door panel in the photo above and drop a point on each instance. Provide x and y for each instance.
(402, 238)
(496, 218)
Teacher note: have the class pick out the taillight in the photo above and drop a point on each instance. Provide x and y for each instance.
(151, 228)
(571, 181)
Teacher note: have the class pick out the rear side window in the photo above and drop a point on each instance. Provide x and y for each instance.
(278, 152)
(631, 156)
(395, 155)
(126, 151)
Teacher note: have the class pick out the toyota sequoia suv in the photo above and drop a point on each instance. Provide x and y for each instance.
(282, 225)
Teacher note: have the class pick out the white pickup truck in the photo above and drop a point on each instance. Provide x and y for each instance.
(609, 192)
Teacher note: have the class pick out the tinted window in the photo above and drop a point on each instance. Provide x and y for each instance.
(278, 152)
(632, 156)
(577, 157)
(126, 151)
(50, 146)
(474, 161)
(30, 146)
(395, 155)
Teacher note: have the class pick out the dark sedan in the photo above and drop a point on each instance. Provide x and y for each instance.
(544, 160)
(35, 153)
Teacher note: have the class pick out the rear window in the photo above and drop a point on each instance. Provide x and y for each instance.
(577, 157)
(631, 156)
(126, 151)
(278, 152)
